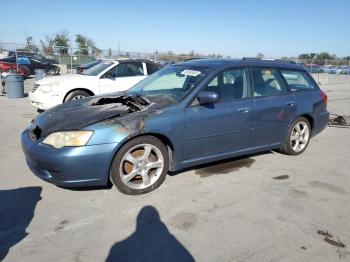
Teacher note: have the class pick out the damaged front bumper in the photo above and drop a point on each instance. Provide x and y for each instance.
(44, 101)
(69, 166)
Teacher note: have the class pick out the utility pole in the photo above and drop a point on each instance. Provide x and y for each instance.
(118, 50)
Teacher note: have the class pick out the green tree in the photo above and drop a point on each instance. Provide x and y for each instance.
(86, 45)
(30, 46)
(325, 56)
(48, 45)
(83, 44)
(62, 42)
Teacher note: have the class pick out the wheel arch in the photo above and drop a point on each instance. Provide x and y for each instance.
(310, 119)
(76, 89)
(163, 138)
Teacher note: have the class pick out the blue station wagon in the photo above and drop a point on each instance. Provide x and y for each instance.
(186, 114)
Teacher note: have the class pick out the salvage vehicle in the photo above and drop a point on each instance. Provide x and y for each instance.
(33, 64)
(33, 55)
(104, 77)
(312, 68)
(183, 115)
(13, 68)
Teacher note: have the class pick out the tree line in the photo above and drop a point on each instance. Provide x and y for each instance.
(60, 43)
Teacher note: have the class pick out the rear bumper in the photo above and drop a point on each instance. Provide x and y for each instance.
(320, 122)
(69, 166)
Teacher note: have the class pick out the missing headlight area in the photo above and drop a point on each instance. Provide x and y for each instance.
(135, 103)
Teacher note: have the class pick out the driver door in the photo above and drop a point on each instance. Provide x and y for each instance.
(225, 126)
(122, 77)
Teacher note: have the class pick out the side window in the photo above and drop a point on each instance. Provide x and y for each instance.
(230, 85)
(119, 70)
(265, 82)
(297, 80)
(133, 69)
(213, 82)
(151, 68)
(128, 69)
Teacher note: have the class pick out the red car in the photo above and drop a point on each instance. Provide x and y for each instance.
(13, 68)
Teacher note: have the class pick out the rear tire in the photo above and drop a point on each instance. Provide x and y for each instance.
(76, 95)
(140, 166)
(298, 137)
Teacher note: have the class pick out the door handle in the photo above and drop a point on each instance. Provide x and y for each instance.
(290, 103)
(244, 110)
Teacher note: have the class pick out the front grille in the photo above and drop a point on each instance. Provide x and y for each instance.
(34, 132)
(35, 87)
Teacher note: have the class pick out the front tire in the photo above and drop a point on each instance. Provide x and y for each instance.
(140, 166)
(76, 95)
(298, 137)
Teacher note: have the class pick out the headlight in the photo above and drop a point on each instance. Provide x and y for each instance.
(48, 87)
(68, 138)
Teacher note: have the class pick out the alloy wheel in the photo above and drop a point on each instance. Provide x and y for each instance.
(141, 166)
(299, 136)
(77, 97)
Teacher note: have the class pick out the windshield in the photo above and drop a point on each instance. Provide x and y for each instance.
(174, 81)
(96, 69)
(92, 63)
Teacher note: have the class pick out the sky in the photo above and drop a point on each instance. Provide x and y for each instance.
(275, 28)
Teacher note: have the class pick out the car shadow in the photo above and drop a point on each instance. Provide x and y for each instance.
(88, 188)
(151, 241)
(223, 166)
(16, 212)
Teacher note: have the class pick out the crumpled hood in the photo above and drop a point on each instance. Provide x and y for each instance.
(80, 113)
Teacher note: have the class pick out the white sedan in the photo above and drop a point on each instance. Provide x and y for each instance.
(105, 77)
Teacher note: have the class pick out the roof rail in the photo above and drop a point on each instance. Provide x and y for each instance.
(269, 59)
(194, 58)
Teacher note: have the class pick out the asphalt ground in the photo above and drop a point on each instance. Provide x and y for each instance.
(265, 207)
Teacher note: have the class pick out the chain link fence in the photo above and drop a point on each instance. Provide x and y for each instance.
(53, 60)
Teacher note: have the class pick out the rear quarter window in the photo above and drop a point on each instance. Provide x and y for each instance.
(297, 80)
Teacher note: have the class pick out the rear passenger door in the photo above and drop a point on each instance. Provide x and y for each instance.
(274, 107)
(225, 126)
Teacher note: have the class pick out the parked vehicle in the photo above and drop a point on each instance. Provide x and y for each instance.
(37, 56)
(313, 68)
(80, 69)
(105, 77)
(344, 70)
(331, 70)
(184, 115)
(13, 68)
(32, 64)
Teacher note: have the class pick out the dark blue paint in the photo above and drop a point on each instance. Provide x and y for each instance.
(197, 133)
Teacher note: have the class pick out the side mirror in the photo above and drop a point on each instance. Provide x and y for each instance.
(207, 98)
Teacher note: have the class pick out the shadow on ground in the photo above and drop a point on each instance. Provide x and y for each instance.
(225, 166)
(150, 242)
(16, 211)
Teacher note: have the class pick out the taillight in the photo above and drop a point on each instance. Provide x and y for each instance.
(324, 98)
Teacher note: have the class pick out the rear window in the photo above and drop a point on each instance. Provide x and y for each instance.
(297, 80)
